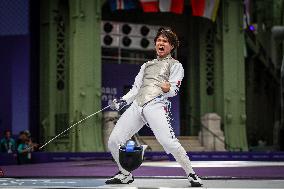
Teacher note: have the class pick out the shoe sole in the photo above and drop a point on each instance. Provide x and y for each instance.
(119, 182)
(195, 184)
(130, 181)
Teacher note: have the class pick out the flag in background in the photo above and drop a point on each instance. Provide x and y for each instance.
(122, 4)
(205, 8)
(174, 6)
(150, 5)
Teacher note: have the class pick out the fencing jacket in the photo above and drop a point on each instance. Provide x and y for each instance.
(152, 74)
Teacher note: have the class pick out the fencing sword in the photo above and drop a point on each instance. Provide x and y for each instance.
(74, 125)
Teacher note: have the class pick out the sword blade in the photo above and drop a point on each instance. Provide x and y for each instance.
(73, 126)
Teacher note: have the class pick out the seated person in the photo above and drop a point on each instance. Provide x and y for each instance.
(7, 144)
(26, 146)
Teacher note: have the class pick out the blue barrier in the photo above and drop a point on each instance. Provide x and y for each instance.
(45, 157)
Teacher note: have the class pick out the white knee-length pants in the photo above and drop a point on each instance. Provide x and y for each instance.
(155, 113)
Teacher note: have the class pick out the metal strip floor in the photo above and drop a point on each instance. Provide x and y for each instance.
(215, 163)
(137, 184)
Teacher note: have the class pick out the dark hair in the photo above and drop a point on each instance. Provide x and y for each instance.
(172, 37)
(7, 131)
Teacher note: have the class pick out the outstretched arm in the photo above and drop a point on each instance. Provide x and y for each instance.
(176, 76)
(130, 96)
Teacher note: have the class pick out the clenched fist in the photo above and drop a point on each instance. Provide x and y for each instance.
(166, 87)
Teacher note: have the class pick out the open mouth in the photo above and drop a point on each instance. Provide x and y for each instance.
(161, 49)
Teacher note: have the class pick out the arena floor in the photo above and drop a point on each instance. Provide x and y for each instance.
(139, 183)
(152, 174)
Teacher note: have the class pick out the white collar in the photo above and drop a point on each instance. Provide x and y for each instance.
(167, 57)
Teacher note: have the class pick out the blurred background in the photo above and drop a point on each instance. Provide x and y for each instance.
(62, 60)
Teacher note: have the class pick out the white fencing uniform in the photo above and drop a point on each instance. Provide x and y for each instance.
(150, 105)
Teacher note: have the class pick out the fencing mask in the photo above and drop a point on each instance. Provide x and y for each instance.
(131, 155)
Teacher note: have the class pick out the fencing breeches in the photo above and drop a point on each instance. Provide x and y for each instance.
(156, 114)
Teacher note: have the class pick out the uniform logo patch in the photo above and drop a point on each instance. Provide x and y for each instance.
(178, 83)
(166, 109)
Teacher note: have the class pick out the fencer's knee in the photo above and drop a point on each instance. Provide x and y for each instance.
(112, 142)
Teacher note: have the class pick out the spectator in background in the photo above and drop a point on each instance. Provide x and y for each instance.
(7, 144)
(25, 147)
(19, 140)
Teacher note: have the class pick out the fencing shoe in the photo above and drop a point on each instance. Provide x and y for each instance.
(194, 180)
(120, 178)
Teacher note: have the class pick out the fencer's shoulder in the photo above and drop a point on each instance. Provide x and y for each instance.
(144, 64)
(175, 63)
(151, 61)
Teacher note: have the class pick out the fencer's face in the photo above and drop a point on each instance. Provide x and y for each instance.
(163, 47)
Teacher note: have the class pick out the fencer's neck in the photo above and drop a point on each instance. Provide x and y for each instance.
(165, 57)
